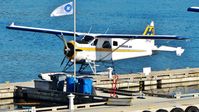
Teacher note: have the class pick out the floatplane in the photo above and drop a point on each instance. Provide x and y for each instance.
(96, 47)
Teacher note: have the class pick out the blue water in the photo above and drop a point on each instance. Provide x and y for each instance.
(23, 55)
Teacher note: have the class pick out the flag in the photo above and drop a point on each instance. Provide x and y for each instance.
(65, 9)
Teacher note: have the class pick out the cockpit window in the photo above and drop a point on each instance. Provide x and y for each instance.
(106, 44)
(87, 39)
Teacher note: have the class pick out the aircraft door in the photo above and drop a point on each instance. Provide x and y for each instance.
(103, 49)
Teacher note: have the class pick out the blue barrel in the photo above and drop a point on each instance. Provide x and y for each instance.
(70, 84)
(81, 83)
(85, 85)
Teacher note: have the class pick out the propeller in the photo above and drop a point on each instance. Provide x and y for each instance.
(66, 48)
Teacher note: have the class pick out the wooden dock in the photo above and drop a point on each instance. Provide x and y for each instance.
(135, 92)
(155, 80)
(7, 89)
(149, 104)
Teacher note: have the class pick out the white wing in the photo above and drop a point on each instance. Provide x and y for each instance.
(71, 33)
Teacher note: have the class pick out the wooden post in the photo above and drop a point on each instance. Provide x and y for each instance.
(159, 84)
(141, 86)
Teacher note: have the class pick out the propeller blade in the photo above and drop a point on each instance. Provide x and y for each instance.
(64, 40)
(66, 48)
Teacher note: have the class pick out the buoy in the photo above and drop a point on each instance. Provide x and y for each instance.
(177, 110)
(192, 109)
(161, 110)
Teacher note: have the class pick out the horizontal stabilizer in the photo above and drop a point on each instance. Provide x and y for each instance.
(193, 9)
(178, 50)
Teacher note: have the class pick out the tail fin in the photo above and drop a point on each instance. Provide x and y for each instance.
(150, 29)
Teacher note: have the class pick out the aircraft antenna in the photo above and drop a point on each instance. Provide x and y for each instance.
(88, 31)
(106, 30)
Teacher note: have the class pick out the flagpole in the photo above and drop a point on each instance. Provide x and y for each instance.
(74, 38)
(68, 9)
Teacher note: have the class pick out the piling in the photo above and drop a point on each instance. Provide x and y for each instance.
(159, 84)
(141, 86)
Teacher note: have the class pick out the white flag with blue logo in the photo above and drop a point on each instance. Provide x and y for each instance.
(66, 9)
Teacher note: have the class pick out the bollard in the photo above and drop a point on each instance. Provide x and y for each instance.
(33, 109)
(71, 101)
(110, 70)
(147, 70)
(178, 95)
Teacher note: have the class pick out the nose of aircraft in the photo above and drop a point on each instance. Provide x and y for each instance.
(69, 50)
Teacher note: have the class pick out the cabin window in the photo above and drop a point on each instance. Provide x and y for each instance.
(115, 43)
(106, 44)
(95, 42)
